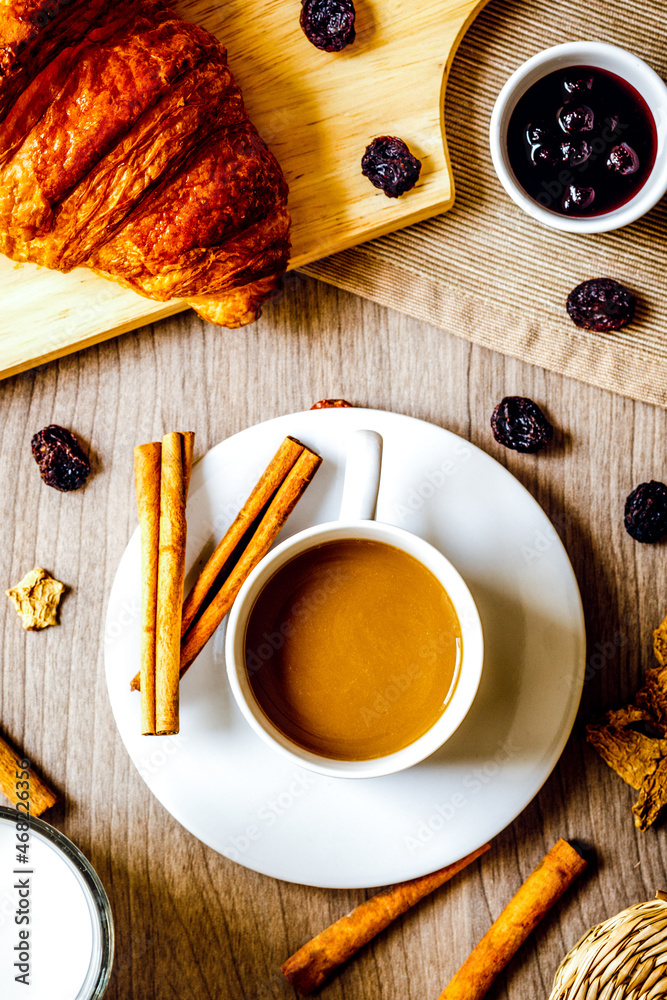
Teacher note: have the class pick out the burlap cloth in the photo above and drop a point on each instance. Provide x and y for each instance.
(487, 272)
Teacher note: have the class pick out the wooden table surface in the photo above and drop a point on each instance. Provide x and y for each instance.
(189, 923)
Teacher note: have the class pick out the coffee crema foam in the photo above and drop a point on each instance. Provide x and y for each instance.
(353, 649)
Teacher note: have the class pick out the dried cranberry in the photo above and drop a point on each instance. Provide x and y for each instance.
(62, 463)
(329, 404)
(623, 160)
(578, 199)
(601, 304)
(574, 152)
(328, 24)
(390, 166)
(518, 423)
(576, 118)
(646, 512)
(577, 83)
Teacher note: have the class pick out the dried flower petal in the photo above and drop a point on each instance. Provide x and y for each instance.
(660, 643)
(36, 599)
(633, 741)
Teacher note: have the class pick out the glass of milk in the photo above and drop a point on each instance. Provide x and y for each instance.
(56, 928)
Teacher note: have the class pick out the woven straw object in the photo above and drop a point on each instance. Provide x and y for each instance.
(625, 958)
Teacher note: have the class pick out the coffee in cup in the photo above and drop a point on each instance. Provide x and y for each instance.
(353, 649)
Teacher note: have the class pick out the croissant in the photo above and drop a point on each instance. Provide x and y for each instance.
(125, 147)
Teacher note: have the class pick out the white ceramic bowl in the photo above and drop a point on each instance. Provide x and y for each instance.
(603, 56)
(359, 495)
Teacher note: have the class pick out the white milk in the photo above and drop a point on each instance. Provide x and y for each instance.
(64, 943)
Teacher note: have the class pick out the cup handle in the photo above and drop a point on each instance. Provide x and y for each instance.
(362, 477)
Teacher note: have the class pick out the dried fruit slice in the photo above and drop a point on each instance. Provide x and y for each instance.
(518, 423)
(390, 166)
(62, 463)
(601, 304)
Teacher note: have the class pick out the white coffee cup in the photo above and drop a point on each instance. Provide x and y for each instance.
(360, 491)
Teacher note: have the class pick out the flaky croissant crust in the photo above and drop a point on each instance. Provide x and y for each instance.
(125, 147)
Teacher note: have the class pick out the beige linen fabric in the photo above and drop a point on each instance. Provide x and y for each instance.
(487, 272)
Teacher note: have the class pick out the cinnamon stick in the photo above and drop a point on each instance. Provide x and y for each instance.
(311, 965)
(147, 464)
(271, 479)
(279, 510)
(267, 487)
(170, 577)
(543, 887)
(188, 452)
(14, 783)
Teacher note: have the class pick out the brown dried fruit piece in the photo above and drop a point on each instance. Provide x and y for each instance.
(601, 305)
(328, 404)
(633, 740)
(36, 599)
(62, 463)
(518, 423)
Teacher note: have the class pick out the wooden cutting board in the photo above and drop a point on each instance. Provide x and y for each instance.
(317, 111)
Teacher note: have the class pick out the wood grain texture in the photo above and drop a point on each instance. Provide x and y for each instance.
(189, 923)
(317, 111)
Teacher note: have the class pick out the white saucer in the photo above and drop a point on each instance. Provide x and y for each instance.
(244, 800)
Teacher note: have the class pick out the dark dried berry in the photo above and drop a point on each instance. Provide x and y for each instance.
(539, 133)
(601, 304)
(575, 151)
(577, 83)
(578, 199)
(518, 423)
(328, 24)
(390, 166)
(546, 156)
(330, 404)
(62, 463)
(646, 512)
(576, 118)
(623, 160)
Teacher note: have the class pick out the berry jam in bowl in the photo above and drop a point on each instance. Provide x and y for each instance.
(579, 137)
